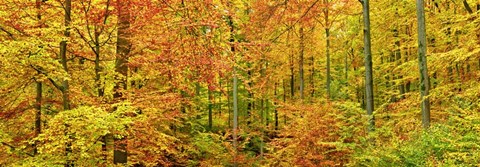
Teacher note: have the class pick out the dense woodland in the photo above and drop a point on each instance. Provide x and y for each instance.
(239, 83)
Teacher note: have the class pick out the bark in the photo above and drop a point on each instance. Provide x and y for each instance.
(235, 96)
(275, 106)
(250, 104)
(312, 77)
(478, 30)
(63, 54)
(368, 66)
(398, 62)
(422, 63)
(229, 107)
(220, 97)
(38, 115)
(292, 74)
(264, 75)
(98, 69)
(346, 67)
(467, 7)
(329, 77)
(121, 60)
(65, 84)
(210, 108)
(38, 99)
(300, 63)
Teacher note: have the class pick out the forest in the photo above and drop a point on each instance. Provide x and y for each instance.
(239, 83)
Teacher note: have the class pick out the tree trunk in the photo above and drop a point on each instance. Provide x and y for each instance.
(422, 63)
(398, 62)
(235, 91)
(368, 66)
(63, 54)
(300, 63)
(329, 77)
(229, 107)
(478, 30)
(250, 104)
(346, 66)
(275, 105)
(312, 77)
(220, 97)
(210, 108)
(292, 74)
(38, 115)
(38, 99)
(98, 69)
(121, 60)
(65, 85)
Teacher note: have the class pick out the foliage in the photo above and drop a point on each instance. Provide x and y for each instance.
(160, 87)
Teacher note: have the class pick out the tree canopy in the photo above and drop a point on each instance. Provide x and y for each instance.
(239, 83)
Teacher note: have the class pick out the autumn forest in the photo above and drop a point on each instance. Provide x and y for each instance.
(239, 83)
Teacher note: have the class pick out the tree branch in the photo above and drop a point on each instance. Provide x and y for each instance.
(467, 7)
(296, 22)
(59, 87)
(14, 148)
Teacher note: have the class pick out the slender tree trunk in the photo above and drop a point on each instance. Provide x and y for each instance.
(65, 85)
(210, 108)
(292, 74)
(300, 63)
(63, 54)
(235, 96)
(250, 104)
(98, 69)
(38, 115)
(229, 107)
(123, 49)
(38, 99)
(312, 77)
(398, 59)
(346, 67)
(478, 30)
(275, 105)
(368, 66)
(220, 97)
(100, 92)
(329, 77)
(422, 63)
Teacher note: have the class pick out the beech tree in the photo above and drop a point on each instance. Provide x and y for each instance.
(368, 65)
(422, 64)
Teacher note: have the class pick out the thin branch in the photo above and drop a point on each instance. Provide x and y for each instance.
(9, 33)
(296, 22)
(50, 79)
(14, 148)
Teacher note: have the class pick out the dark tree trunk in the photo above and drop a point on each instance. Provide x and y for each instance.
(38, 99)
(329, 77)
(300, 63)
(121, 68)
(368, 66)
(210, 109)
(65, 85)
(38, 115)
